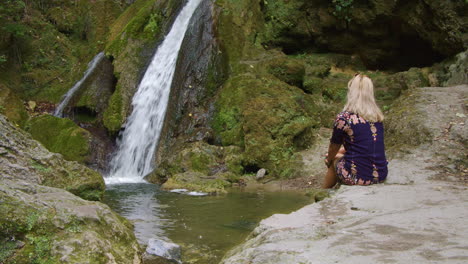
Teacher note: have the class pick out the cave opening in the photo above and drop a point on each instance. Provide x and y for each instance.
(397, 51)
(83, 114)
(251, 168)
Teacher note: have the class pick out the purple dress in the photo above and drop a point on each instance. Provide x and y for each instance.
(364, 161)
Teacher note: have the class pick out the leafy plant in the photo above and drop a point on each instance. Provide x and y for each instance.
(3, 59)
(343, 9)
(153, 24)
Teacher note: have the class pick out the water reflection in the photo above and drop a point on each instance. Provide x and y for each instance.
(206, 227)
(138, 203)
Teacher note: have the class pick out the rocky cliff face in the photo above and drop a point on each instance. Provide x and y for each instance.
(385, 34)
(280, 86)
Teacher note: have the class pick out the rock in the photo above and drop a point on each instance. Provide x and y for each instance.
(26, 159)
(164, 249)
(152, 259)
(61, 135)
(393, 215)
(452, 71)
(132, 48)
(32, 105)
(196, 182)
(93, 97)
(54, 226)
(12, 107)
(385, 34)
(260, 174)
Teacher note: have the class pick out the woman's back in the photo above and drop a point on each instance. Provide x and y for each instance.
(364, 161)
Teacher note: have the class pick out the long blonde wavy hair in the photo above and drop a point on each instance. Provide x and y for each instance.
(360, 99)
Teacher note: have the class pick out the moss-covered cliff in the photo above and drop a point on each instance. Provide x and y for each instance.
(256, 79)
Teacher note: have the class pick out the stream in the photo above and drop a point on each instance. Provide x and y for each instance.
(206, 227)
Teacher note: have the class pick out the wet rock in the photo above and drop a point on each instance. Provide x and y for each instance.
(260, 174)
(96, 91)
(132, 49)
(167, 250)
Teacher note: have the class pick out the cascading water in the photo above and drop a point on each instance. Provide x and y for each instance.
(134, 158)
(67, 97)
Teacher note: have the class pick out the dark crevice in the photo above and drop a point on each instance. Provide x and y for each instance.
(82, 114)
(251, 168)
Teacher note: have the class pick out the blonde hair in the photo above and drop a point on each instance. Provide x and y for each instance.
(360, 99)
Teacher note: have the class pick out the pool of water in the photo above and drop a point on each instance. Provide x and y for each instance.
(206, 227)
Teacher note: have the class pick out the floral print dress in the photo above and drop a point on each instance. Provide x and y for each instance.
(364, 162)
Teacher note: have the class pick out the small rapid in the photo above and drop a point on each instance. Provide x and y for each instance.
(135, 155)
(68, 96)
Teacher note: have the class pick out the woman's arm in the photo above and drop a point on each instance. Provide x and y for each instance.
(332, 151)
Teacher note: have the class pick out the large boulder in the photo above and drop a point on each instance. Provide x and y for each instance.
(22, 158)
(62, 136)
(41, 224)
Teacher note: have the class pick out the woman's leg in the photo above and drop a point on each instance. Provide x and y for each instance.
(330, 178)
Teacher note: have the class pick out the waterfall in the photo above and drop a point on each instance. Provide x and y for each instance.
(67, 97)
(135, 155)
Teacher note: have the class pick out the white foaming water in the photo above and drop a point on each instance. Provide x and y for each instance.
(135, 156)
(66, 98)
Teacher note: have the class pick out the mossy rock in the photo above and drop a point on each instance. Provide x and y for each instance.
(132, 40)
(199, 157)
(288, 70)
(317, 194)
(237, 30)
(12, 107)
(41, 224)
(264, 116)
(335, 86)
(29, 161)
(196, 181)
(61, 135)
(404, 111)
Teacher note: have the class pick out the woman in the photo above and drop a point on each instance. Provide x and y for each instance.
(360, 130)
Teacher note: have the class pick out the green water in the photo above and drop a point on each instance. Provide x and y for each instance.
(206, 227)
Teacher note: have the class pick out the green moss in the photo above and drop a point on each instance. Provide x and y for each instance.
(312, 85)
(287, 70)
(92, 191)
(227, 124)
(238, 34)
(12, 107)
(140, 21)
(62, 136)
(113, 117)
(280, 16)
(271, 115)
(7, 248)
(195, 181)
(317, 194)
(30, 225)
(200, 162)
(335, 87)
